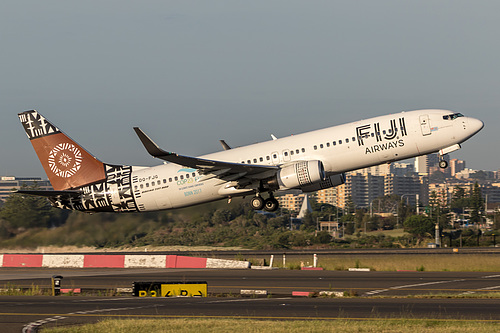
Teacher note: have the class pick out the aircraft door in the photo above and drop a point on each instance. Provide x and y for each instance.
(115, 195)
(424, 124)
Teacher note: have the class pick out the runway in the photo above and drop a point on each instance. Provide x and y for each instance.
(18, 312)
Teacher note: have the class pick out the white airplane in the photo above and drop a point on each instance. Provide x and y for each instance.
(310, 161)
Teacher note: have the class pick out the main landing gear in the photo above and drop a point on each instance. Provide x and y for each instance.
(270, 204)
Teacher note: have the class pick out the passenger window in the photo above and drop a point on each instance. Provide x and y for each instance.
(347, 140)
(268, 158)
(315, 147)
(164, 181)
(170, 179)
(176, 178)
(187, 175)
(285, 153)
(194, 174)
(321, 146)
(158, 182)
(261, 159)
(353, 139)
(334, 143)
(297, 151)
(303, 150)
(291, 152)
(340, 142)
(328, 144)
(275, 156)
(255, 160)
(249, 162)
(182, 177)
(147, 184)
(135, 187)
(142, 186)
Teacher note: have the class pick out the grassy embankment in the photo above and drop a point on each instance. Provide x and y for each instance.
(289, 326)
(455, 262)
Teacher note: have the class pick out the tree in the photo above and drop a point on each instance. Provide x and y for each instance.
(476, 203)
(459, 200)
(27, 211)
(386, 204)
(419, 226)
(350, 206)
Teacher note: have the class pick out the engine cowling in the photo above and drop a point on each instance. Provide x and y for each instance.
(330, 181)
(300, 174)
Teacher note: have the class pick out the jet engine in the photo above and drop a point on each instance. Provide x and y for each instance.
(300, 174)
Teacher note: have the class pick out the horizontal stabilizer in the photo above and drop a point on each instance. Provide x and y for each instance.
(51, 194)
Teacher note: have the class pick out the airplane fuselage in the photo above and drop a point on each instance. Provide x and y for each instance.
(339, 149)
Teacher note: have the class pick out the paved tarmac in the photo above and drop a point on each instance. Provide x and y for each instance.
(276, 282)
(26, 312)
(29, 313)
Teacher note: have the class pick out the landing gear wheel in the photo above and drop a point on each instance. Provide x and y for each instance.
(271, 205)
(443, 164)
(257, 203)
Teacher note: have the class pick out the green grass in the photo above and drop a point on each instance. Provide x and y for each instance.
(288, 326)
(429, 263)
(11, 290)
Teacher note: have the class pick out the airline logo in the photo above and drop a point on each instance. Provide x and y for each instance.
(391, 133)
(65, 160)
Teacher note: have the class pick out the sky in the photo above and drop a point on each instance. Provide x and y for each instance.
(192, 72)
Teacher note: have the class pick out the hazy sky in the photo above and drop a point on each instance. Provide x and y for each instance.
(193, 72)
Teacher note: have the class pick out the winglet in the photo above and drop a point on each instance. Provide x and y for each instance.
(224, 145)
(150, 145)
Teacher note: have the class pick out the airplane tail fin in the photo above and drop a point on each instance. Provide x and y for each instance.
(67, 164)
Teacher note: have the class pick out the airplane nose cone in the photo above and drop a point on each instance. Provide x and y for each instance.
(475, 124)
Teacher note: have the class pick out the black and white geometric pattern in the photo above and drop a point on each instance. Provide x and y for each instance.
(35, 125)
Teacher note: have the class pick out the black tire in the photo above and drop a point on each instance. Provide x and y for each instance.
(271, 205)
(257, 203)
(443, 164)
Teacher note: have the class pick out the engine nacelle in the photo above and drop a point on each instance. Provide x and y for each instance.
(300, 174)
(331, 181)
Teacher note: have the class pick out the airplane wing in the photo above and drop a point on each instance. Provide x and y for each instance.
(205, 166)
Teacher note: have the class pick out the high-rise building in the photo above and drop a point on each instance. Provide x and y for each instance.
(421, 165)
(407, 187)
(291, 200)
(327, 196)
(456, 166)
(362, 189)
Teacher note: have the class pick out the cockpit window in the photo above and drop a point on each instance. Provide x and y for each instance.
(452, 116)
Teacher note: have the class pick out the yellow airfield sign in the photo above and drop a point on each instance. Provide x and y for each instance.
(170, 289)
(184, 289)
